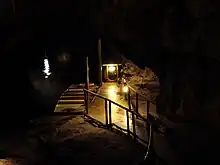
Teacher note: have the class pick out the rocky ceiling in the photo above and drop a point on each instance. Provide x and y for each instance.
(182, 26)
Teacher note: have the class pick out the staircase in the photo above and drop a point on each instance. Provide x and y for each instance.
(72, 100)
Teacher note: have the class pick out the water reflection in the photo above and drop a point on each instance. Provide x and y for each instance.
(119, 115)
(112, 92)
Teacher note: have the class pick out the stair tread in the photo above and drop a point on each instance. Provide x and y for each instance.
(71, 100)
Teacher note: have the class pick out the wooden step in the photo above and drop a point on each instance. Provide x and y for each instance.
(74, 90)
(70, 93)
(71, 102)
(79, 97)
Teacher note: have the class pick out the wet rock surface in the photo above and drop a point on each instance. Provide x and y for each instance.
(66, 140)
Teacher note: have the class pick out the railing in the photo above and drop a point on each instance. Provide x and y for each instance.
(108, 116)
(137, 95)
(152, 122)
(154, 125)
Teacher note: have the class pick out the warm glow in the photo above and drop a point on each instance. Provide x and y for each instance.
(125, 89)
(6, 162)
(118, 114)
(46, 68)
(112, 92)
(111, 68)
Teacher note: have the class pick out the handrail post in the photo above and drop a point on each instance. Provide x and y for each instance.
(127, 114)
(110, 114)
(148, 107)
(128, 127)
(134, 128)
(87, 86)
(129, 99)
(106, 112)
(137, 106)
(86, 102)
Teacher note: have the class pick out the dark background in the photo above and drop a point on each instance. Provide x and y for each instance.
(178, 40)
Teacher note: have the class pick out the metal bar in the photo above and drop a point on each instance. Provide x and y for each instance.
(136, 91)
(128, 127)
(86, 102)
(105, 98)
(125, 130)
(102, 97)
(87, 73)
(84, 97)
(137, 106)
(150, 142)
(154, 102)
(110, 113)
(134, 128)
(129, 99)
(148, 107)
(87, 86)
(106, 112)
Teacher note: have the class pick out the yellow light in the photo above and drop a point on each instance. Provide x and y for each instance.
(125, 89)
(111, 68)
(112, 92)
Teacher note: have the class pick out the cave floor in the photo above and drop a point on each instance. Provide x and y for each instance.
(68, 140)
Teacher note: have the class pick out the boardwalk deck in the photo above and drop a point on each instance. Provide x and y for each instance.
(97, 110)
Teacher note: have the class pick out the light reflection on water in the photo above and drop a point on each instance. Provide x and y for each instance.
(119, 115)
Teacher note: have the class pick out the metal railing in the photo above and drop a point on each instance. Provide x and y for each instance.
(154, 125)
(108, 116)
(151, 122)
(137, 96)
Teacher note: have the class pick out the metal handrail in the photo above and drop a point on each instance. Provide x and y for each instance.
(149, 148)
(150, 121)
(132, 89)
(121, 106)
(108, 115)
(153, 123)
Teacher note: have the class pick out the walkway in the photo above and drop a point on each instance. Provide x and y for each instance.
(111, 91)
(72, 100)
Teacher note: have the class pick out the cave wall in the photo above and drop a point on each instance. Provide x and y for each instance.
(178, 41)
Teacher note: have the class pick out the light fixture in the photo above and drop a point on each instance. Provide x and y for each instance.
(46, 68)
(111, 68)
(125, 89)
